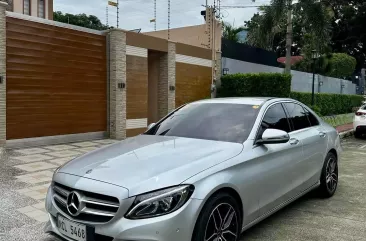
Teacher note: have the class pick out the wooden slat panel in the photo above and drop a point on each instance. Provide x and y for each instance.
(137, 84)
(56, 80)
(135, 132)
(193, 83)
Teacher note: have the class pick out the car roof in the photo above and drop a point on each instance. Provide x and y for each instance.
(243, 100)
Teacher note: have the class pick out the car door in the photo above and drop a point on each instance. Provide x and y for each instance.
(276, 161)
(315, 149)
(312, 139)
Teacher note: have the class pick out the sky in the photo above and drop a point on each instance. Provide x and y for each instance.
(135, 14)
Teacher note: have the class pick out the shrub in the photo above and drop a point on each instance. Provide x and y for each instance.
(330, 104)
(341, 65)
(258, 84)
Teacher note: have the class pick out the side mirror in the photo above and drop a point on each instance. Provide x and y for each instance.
(274, 136)
(151, 126)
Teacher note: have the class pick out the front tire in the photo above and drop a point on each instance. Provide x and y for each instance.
(329, 176)
(219, 220)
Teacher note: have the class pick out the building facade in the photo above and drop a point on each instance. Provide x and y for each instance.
(35, 8)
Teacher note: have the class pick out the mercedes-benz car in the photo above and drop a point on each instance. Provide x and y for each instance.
(206, 172)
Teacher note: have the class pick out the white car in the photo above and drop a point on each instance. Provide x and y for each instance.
(359, 122)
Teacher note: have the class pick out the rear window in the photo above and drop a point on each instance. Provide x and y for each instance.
(209, 121)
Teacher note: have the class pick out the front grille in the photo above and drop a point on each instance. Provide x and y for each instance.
(98, 208)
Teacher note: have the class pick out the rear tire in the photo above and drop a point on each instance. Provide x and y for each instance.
(357, 134)
(329, 176)
(220, 219)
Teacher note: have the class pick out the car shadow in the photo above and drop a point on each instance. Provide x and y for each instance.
(279, 215)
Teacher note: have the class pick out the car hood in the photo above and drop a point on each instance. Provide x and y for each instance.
(145, 163)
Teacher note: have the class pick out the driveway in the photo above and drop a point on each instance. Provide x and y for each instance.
(26, 173)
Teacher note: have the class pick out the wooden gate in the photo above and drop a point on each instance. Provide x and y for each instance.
(56, 80)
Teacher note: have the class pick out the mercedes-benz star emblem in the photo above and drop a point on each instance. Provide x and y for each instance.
(74, 205)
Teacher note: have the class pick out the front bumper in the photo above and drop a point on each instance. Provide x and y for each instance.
(177, 226)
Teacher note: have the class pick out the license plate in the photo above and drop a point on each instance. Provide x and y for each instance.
(71, 229)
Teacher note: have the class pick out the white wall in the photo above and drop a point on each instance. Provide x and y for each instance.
(301, 81)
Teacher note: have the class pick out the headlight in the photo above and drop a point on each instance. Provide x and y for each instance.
(159, 202)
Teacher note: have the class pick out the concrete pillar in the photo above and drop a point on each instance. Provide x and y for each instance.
(218, 69)
(117, 84)
(3, 7)
(171, 76)
(166, 84)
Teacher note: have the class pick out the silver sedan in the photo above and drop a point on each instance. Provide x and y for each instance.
(206, 172)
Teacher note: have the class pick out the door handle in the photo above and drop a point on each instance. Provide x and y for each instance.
(322, 134)
(294, 141)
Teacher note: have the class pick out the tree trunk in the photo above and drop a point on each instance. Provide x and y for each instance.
(289, 38)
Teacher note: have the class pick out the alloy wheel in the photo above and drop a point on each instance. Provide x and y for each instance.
(332, 175)
(222, 224)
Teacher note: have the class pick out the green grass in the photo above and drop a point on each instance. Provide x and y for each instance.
(338, 120)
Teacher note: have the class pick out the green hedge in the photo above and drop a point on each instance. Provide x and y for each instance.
(259, 84)
(279, 85)
(330, 104)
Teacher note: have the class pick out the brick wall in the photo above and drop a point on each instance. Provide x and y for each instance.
(117, 74)
(2, 73)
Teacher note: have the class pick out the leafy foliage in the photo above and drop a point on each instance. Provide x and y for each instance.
(330, 104)
(230, 32)
(337, 65)
(341, 65)
(259, 84)
(310, 20)
(82, 20)
(279, 85)
(348, 28)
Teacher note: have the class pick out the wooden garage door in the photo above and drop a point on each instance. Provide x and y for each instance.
(56, 80)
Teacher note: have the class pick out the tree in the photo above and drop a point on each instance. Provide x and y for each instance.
(230, 32)
(313, 15)
(348, 28)
(82, 20)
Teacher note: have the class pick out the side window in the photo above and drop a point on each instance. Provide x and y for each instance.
(297, 116)
(275, 118)
(313, 120)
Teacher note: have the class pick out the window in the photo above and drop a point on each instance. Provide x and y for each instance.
(210, 121)
(297, 116)
(26, 7)
(41, 7)
(275, 118)
(313, 120)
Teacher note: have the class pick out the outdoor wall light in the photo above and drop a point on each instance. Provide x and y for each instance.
(357, 88)
(321, 83)
(121, 85)
(225, 71)
(342, 86)
(1, 79)
(172, 88)
(314, 54)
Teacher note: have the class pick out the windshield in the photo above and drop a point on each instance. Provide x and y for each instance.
(209, 121)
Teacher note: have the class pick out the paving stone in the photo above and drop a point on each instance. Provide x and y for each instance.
(106, 141)
(85, 144)
(36, 166)
(61, 161)
(60, 147)
(33, 158)
(66, 153)
(31, 151)
(88, 149)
